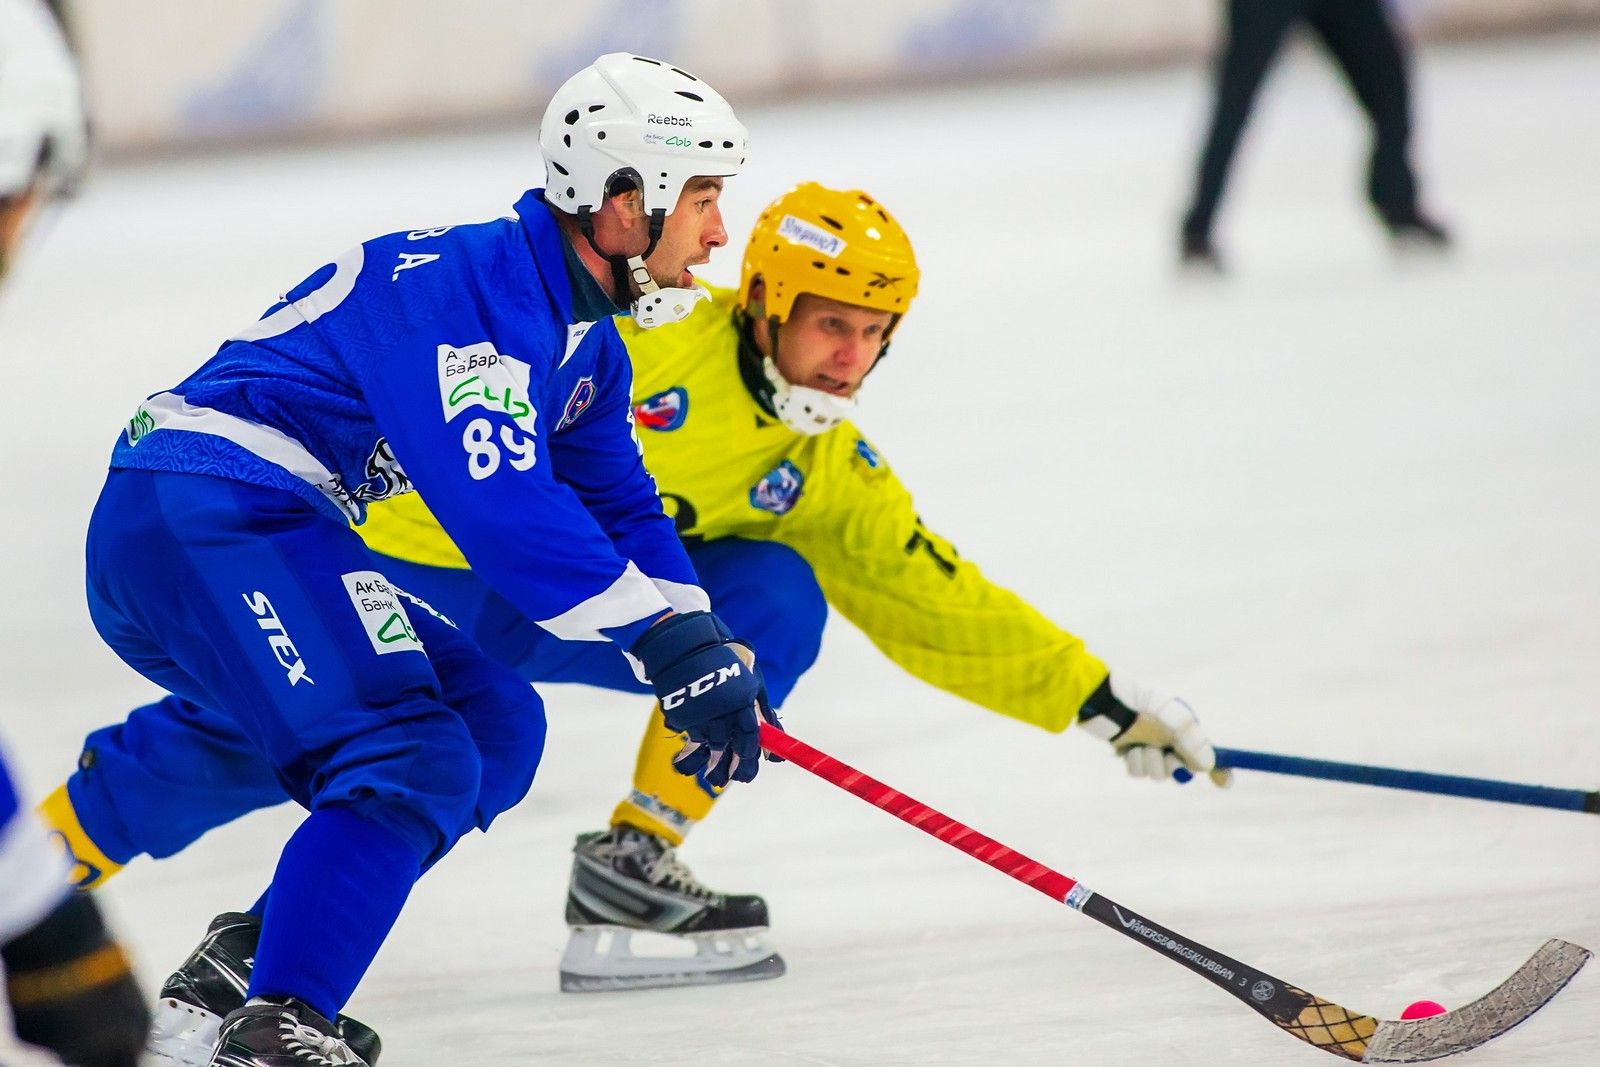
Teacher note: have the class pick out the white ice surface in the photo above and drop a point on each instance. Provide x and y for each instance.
(1348, 507)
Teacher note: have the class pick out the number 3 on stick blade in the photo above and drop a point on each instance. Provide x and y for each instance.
(1320, 1023)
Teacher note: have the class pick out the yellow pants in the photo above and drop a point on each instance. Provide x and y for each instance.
(663, 802)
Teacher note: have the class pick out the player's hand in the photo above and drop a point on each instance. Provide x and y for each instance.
(710, 691)
(71, 990)
(1154, 733)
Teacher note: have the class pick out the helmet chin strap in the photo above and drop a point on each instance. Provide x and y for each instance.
(656, 305)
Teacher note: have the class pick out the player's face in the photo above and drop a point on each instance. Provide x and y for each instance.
(830, 345)
(689, 234)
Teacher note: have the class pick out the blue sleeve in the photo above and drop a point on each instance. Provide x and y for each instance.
(600, 458)
(460, 418)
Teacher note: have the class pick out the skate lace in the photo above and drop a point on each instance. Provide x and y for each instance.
(670, 869)
(315, 1047)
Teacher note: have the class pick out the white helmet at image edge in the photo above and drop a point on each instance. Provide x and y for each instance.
(44, 139)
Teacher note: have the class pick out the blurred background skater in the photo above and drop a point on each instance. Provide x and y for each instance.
(1362, 38)
(68, 983)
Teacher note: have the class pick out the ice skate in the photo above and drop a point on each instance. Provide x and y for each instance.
(280, 1032)
(211, 984)
(1198, 256)
(641, 920)
(1412, 232)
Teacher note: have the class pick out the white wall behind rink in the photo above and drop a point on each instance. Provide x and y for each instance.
(168, 73)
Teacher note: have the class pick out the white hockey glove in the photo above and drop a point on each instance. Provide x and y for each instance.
(1154, 733)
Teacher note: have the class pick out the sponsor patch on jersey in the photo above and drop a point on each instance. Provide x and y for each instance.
(779, 489)
(141, 423)
(867, 462)
(582, 396)
(476, 376)
(382, 613)
(665, 411)
(425, 606)
(803, 233)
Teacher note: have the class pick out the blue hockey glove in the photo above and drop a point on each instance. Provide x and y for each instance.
(711, 691)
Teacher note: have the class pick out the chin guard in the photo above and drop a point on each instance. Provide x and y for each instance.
(658, 306)
(803, 409)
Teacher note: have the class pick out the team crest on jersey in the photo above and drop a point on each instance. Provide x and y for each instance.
(665, 411)
(779, 489)
(867, 462)
(582, 396)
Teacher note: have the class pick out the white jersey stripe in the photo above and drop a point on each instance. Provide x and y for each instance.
(628, 599)
(169, 411)
(682, 596)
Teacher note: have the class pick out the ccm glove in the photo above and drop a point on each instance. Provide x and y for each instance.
(710, 691)
(1154, 733)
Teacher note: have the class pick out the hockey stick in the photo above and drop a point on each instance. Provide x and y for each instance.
(1539, 796)
(1317, 1022)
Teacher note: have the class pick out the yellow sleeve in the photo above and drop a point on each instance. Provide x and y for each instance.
(403, 527)
(925, 607)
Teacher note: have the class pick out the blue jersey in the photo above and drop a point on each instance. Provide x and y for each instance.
(449, 360)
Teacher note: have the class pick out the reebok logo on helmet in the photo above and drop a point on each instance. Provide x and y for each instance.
(668, 120)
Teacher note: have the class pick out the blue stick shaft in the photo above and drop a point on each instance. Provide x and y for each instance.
(1538, 796)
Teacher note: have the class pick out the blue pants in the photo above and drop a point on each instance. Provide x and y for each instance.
(176, 768)
(295, 672)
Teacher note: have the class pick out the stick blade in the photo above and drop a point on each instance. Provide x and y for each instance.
(1513, 1001)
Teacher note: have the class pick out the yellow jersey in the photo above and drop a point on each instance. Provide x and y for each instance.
(724, 468)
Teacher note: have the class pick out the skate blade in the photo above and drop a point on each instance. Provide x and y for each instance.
(181, 1035)
(605, 958)
(759, 971)
(1414, 252)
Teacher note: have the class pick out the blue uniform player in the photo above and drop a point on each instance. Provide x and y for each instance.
(479, 364)
(67, 982)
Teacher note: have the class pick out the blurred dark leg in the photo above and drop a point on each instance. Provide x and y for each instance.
(1367, 47)
(1254, 34)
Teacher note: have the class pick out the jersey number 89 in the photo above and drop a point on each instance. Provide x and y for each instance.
(483, 455)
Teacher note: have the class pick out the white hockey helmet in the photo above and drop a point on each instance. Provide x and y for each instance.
(655, 125)
(44, 139)
(632, 116)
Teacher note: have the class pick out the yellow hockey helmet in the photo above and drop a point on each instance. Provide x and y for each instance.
(839, 244)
